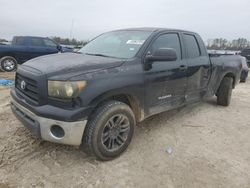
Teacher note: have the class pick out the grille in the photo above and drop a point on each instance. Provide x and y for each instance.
(30, 90)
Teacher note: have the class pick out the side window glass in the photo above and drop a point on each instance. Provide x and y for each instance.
(193, 50)
(20, 41)
(49, 43)
(170, 40)
(37, 42)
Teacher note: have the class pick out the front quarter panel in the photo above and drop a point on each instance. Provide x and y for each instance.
(126, 79)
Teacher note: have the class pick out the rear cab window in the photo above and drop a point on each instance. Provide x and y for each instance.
(19, 41)
(192, 46)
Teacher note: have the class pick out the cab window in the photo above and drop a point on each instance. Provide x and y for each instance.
(49, 43)
(37, 42)
(192, 46)
(170, 40)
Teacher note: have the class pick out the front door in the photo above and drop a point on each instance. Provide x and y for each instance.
(165, 81)
(40, 46)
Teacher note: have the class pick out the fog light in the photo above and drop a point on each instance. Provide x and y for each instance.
(57, 131)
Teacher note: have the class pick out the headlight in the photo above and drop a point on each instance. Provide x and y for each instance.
(65, 89)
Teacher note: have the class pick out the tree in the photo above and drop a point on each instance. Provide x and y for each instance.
(3, 40)
(66, 41)
(224, 44)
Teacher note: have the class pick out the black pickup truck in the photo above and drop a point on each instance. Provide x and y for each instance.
(94, 99)
(24, 48)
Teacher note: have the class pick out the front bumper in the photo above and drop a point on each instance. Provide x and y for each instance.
(62, 132)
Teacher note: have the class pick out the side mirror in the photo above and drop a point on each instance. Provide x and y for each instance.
(162, 54)
(59, 47)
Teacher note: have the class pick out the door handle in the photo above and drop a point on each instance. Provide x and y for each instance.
(183, 68)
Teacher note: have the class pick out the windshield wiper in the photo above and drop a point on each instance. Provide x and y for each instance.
(102, 55)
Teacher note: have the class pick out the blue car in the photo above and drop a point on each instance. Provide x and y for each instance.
(24, 48)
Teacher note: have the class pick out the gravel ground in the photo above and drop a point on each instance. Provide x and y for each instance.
(210, 148)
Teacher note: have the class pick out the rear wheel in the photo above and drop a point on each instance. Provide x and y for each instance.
(109, 131)
(8, 64)
(243, 80)
(243, 77)
(224, 92)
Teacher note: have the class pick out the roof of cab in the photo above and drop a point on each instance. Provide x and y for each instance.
(30, 37)
(153, 29)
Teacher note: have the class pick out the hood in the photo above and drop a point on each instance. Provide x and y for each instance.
(71, 64)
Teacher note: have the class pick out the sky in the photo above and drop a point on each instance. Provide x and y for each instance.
(84, 19)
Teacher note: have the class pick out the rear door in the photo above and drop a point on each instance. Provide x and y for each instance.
(165, 81)
(199, 67)
(20, 48)
(36, 47)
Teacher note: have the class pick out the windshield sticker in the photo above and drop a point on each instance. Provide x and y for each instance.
(137, 42)
(131, 49)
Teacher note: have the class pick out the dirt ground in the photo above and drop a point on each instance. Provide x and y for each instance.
(210, 148)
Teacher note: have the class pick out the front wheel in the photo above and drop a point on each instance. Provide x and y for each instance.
(109, 130)
(8, 64)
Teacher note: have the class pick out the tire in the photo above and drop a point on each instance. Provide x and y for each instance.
(8, 64)
(225, 91)
(243, 80)
(243, 76)
(106, 138)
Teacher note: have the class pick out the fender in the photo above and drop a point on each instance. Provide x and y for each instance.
(133, 100)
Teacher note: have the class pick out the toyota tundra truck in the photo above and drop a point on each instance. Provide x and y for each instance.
(94, 98)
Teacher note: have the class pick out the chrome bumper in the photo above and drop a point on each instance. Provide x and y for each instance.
(73, 131)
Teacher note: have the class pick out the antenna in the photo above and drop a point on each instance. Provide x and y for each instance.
(71, 29)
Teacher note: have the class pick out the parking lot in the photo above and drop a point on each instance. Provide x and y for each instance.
(208, 147)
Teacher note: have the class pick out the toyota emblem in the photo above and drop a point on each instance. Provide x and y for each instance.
(23, 85)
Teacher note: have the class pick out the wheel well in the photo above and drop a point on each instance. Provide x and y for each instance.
(232, 76)
(131, 102)
(10, 56)
(227, 75)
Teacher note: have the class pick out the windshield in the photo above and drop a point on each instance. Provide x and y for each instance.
(119, 44)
